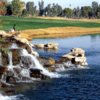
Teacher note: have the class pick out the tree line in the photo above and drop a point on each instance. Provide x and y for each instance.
(19, 8)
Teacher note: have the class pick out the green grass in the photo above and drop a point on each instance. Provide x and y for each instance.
(7, 22)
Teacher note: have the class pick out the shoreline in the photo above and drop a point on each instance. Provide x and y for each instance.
(58, 32)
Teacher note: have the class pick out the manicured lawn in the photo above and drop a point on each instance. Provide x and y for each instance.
(7, 22)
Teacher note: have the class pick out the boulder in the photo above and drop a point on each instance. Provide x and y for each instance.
(47, 61)
(51, 61)
(76, 56)
(24, 43)
(22, 40)
(78, 52)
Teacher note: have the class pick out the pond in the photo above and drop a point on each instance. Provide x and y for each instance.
(81, 84)
(90, 43)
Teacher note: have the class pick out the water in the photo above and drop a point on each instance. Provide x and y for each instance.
(38, 65)
(10, 60)
(13, 46)
(0, 58)
(17, 97)
(89, 43)
(82, 84)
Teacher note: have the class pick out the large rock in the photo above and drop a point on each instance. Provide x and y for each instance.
(24, 43)
(76, 56)
(78, 52)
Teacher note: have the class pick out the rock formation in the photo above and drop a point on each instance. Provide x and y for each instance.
(76, 56)
(18, 61)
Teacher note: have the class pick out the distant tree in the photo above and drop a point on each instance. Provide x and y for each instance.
(77, 12)
(41, 7)
(9, 9)
(30, 8)
(2, 7)
(94, 8)
(56, 10)
(98, 12)
(85, 11)
(53, 10)
(48, 10)
(67, 12)
(17, 7)
(24, 12)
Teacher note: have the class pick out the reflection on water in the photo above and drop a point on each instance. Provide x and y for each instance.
(47, 50)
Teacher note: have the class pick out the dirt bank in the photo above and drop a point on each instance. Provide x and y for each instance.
(58, 32)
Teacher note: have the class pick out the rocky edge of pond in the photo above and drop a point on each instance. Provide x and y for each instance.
(19, 63)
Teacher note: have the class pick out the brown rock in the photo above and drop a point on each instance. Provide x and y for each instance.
(5, 58)
(47, 61)
(16, 56)
(3, 69)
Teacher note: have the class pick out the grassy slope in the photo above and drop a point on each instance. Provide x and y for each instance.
(7, 23)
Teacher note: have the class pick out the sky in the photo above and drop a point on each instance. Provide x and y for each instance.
(67, 3)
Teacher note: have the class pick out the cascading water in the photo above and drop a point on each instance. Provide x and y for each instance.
(10, 66)
(38, 65)
(17, 97)
(0, 58)
(14, 46)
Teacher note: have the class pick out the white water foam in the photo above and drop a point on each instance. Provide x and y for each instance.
(39, 66)
(10, 60)
(0, 58)
(60, 68)
(14, 46)
(10, 97)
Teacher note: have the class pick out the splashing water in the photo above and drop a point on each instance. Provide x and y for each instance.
(0, 58)
(38, 65)
(9, 97)
(14, 46)
(25, 73)
(10, 60)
